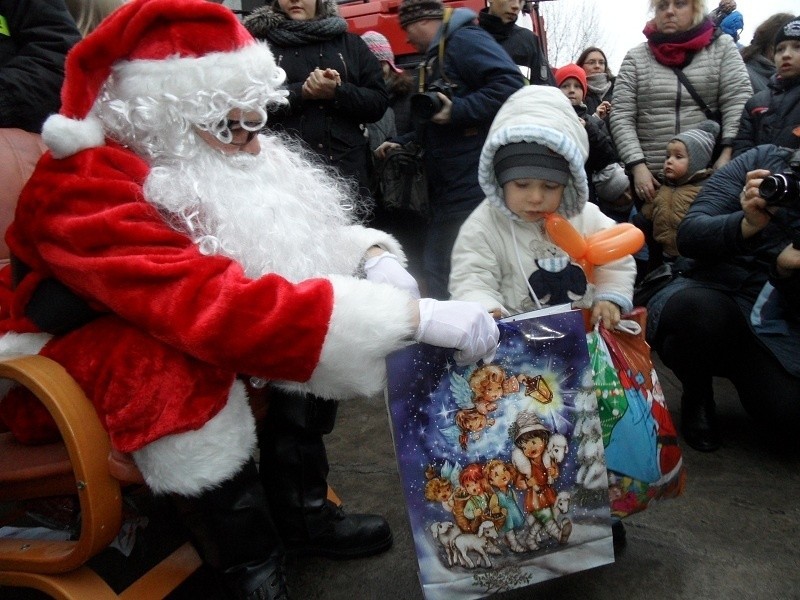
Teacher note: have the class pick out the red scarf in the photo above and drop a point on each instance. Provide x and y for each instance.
(677, 49)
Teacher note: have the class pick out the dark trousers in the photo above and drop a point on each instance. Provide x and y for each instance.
(703, 333)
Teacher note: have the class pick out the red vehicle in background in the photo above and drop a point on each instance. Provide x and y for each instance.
(381, 16)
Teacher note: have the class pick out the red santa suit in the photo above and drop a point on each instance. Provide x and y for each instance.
(176, 325)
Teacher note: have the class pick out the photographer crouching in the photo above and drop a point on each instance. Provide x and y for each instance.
(734, 309)
(465, 78)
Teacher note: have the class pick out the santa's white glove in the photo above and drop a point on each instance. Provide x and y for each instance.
(384, 268)
(466, 326)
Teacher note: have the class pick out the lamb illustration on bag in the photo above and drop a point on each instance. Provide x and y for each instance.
(457, 544)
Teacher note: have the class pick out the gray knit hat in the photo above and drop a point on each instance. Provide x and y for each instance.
(699, 144)
(417, 10)
(529, 160)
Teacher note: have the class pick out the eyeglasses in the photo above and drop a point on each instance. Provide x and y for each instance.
(238, 133)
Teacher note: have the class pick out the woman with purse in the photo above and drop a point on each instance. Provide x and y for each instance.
(652, 105)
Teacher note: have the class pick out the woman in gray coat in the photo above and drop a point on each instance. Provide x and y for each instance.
(651, 105)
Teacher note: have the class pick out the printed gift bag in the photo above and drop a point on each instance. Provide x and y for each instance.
(492, 456)
(641, 445)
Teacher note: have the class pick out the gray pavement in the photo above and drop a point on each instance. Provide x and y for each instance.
(735, 533)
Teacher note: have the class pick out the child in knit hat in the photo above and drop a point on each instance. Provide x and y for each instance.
(531, 165)
(685, 171)
(609, 187)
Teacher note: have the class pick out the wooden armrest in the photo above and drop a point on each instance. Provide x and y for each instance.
(88, 449)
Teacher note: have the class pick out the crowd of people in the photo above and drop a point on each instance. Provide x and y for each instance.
(207, 213)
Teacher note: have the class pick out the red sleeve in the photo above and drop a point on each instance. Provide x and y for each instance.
(83, 220)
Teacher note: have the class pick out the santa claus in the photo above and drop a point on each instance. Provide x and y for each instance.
(164, 246)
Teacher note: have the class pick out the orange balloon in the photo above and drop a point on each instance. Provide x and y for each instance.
(565, 235)
(588, 269)
(611, 232)
(626, 241)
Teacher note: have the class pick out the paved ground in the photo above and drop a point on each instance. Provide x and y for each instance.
(735, 534)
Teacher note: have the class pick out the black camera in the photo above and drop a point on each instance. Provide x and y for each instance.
(783, 189)
(426, 104)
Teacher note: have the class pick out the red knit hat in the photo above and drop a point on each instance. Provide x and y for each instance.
(572, 70)
(155, 48)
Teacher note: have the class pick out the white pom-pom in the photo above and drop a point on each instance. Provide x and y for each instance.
(65, 136)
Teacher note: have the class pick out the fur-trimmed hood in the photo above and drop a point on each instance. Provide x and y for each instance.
(543, 115)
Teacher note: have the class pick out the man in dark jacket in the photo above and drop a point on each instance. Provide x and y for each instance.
(35, 36)
(522, 45)
(478, 77)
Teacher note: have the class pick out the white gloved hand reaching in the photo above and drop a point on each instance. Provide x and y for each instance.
(466, 326)
(385, 268)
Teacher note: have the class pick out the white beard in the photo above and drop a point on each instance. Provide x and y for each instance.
(276, 212)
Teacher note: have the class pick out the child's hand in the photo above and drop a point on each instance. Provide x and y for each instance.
(603, 109)
(607, 312)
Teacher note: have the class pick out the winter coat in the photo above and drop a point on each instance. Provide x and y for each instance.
(710, 235)
(771, 117)
(497, 255)
(332, 128)
(593, 100)
(522, 46)
(33, 45)
(651, 105)
(484, 76)
(669, 206)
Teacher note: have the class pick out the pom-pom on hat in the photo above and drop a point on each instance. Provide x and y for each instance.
(790, 31)
(572, 70)
(417, 10)
(154, 48)
(380, 47)
(699, 144)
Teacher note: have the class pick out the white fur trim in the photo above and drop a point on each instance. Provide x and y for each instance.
(369, 321)
(195, 461)
(181, 77)
(365, 238)
(65, 136)
(16, 344)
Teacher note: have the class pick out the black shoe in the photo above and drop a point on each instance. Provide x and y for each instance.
(338, 535)
(699, 424)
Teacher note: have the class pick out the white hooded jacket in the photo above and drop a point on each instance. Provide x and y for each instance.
(497, 255)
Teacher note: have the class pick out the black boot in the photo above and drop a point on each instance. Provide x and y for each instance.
(699, 423)
(233, 532)
(294, 470)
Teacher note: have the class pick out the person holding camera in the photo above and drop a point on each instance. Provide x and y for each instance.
(460, 96)
(734, 309)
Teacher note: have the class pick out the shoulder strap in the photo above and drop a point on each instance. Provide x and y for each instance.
(448, 13)
(693, 93)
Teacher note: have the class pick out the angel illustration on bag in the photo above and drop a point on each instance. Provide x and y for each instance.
(477, 394)
(442, 487)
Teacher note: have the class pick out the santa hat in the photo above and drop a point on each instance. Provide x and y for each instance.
(155, 48)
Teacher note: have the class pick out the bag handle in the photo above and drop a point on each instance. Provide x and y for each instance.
(712, 115)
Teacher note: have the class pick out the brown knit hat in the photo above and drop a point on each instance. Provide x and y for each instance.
(417, 10)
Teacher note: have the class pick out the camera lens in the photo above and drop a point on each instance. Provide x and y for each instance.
(425, 104)
(773, 188)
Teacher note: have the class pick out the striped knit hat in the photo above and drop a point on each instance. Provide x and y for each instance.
(699, 144)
